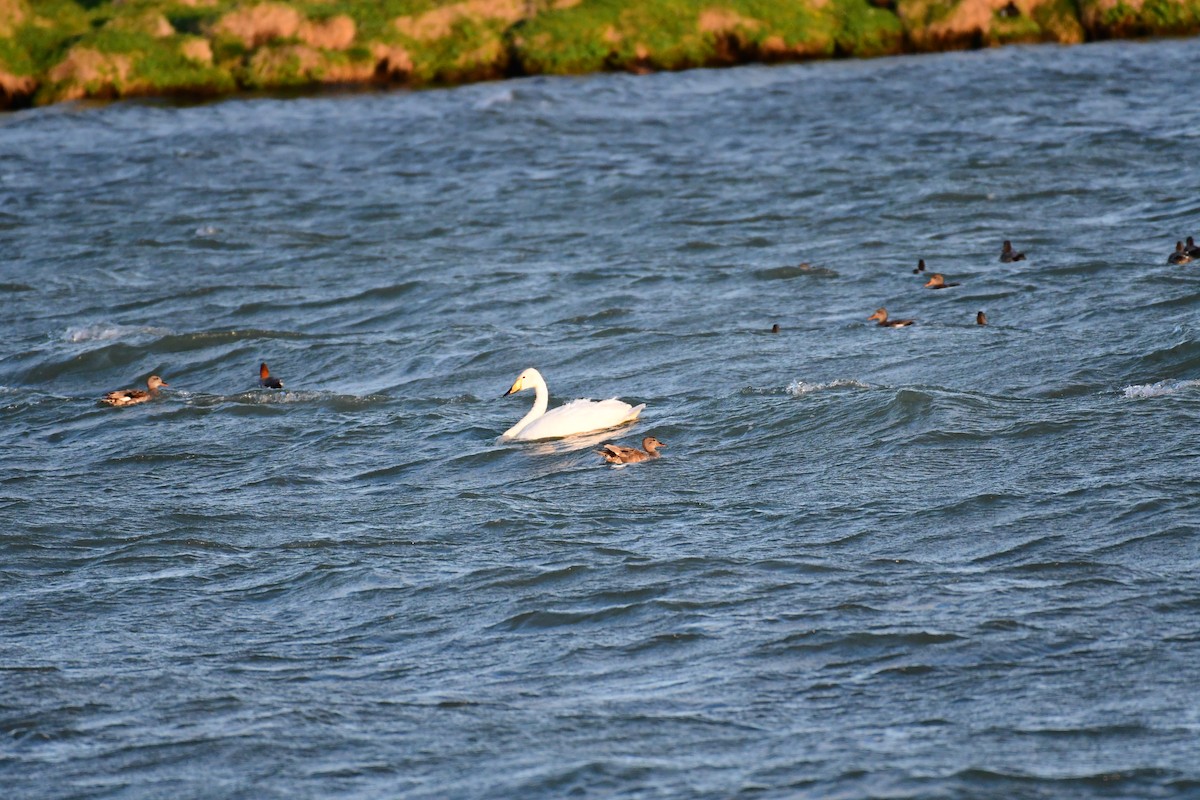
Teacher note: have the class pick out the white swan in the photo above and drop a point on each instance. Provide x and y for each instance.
(577, 416)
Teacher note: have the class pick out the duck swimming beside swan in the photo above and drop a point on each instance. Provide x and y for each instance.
(938, 281)
(265, 380)
(569, 419)
(882, 315)
(131, 397)
(621, 454)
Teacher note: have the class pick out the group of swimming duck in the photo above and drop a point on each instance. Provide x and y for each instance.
(131, 397)
(938, 281)
(570, 419)
(592, 416)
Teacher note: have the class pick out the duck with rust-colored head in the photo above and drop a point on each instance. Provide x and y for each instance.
(265, 380)
(882, 315)
(1007, 253)
(621, 454)
(938, 281)
(131, 397)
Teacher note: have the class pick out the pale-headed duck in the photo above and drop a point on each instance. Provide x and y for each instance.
(938, 281)
(620, 454)
(130, 397)
(882, 315)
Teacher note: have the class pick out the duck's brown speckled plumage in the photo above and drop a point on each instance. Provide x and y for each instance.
(621, 454)
(131, 397)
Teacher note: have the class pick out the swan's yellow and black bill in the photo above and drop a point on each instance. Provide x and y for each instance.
(516, 387)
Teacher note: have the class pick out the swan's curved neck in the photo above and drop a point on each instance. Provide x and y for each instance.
(540, 401)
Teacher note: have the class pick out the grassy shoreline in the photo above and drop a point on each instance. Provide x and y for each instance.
(56, 50)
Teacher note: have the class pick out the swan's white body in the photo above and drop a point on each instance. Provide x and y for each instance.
(577, 416)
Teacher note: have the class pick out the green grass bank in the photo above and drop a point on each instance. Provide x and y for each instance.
(55, 50)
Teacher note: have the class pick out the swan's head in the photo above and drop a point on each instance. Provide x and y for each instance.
(935, 280)
(880, 314)
(154, 382)
(528, 379)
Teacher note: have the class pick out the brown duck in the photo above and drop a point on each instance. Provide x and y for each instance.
(981, 318)
(1180, 256)
(938, 281)
(882, 315)
(920, 266)
(131, 397)
(620, 454)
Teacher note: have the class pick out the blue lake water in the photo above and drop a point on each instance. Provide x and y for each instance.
(946, 561)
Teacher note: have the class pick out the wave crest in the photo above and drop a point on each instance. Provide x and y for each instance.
(1159, 389)
(800, 388)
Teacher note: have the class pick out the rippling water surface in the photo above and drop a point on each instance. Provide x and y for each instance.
(947, 561)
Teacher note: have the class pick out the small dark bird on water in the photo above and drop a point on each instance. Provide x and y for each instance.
(937, 281)
(1009, 11)
(775, 328)
(1191, 248)
(1007, 253)
(265, 380)
(920, 266)
(981, 318)
(1180, 256)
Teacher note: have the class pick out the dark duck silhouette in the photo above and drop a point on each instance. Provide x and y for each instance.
(265, 380)
(1007, 253)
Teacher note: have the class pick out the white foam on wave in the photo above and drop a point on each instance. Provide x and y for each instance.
(495, 99)
(103, 332)
(801, 388)
(1159, 389)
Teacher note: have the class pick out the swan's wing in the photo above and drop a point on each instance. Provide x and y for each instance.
(579, 416)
